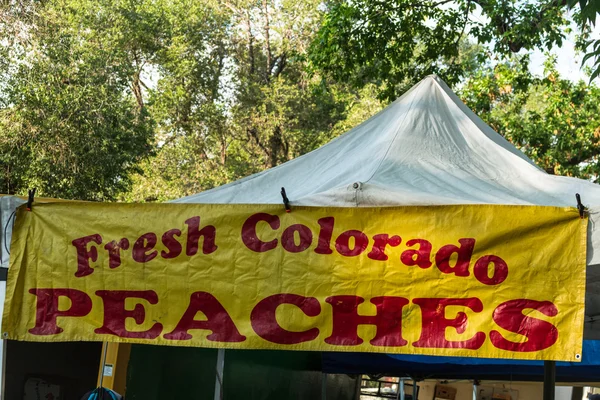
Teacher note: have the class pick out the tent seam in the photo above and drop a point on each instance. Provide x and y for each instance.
(394, 139)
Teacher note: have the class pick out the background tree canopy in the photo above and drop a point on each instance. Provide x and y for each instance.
(552, 120)
(152, 100)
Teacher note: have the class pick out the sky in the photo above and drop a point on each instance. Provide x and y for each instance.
(568, 61)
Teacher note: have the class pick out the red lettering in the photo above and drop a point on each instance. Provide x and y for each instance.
(380, 242)
(115, 313)
(47, 311)
(420, 257)
(538, 334)
(114, 251)
(465, 252)
(84, 255)
(217, 320)
(434, 323)
(249, 232)
(388, 320)
(141, 248)
(173, 246)
(480, 270)
(342, 243)
(324, 245)
(208, 233)
(265, 323)
(288, 241)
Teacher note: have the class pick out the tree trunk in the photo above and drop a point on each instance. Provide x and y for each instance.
(250, 42)
(267, 42)
(136, 87)
(276, 146)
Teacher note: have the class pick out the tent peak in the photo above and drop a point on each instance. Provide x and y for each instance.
(435, 77)
(426, 145)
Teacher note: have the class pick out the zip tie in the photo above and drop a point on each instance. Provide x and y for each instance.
(286, 201)
(580, 206)
(30, 200)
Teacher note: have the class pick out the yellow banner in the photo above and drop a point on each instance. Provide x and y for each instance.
(466, 280)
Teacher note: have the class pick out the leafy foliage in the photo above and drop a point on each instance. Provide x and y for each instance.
(395, 43)
(156, 99)
(258, 108)
(556, 122)
(590, 9)
(68, 122)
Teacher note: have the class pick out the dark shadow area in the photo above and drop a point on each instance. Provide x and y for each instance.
(39, 370)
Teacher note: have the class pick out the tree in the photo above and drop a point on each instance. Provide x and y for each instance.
(192, 135)
(396, 43)
(70, 124)
(556, 122)
(280, 110)
(217, 90)
(261, 109)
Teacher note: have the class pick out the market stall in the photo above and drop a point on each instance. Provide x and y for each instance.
(339, 229)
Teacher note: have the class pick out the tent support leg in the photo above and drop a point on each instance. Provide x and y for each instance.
(323, 386)
(416, 389)
(401, 389)
(104, 350)
(219, 374)
(3, 379)
(549, 379)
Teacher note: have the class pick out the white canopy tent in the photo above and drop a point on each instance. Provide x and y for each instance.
(426, 148)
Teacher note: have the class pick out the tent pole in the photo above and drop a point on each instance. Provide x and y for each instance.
(415, 390)
(219, 374)
(104, 350)
(3, 379)
(323, 386)
(401, 389)
(549, 379)
(577, 393)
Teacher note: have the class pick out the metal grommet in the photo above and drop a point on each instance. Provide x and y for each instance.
(356, 185)
(577, 356)
(5, 335)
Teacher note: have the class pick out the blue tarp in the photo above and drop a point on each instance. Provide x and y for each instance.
(588, 370)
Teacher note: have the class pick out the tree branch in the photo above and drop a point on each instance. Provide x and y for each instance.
(502, 25)
(281, 63)
(253, 134)
(231, 7)
(466, 19)
(267, 28)
(250, 42)
(582, 157)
